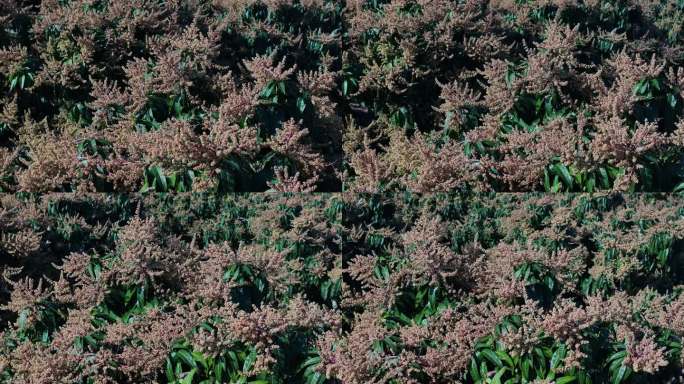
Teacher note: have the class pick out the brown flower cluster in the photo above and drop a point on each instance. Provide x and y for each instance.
(516, 96)
(113, 289)
(135, 95)
(323, 95)
(130, 129)
(341, 288)
(459, 287)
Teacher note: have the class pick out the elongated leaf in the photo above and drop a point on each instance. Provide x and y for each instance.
(186, 357)
(491, 356)
(497, 378)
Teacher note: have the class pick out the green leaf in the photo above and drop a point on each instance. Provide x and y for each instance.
(562, 170)
(198, 356)
(186, 357)
(325, 289)
(621, 374)
(491, 356)
(473, 371)
(484, 371)
(249, 361)
(605, 181)
(618, 355)
(505, 357)
(497, 378)
(550, 282)
(565, 380)
(525, 368)
(547, 180)
(301, 104)
(315, 378)
(170, 376)
(188, 378)
(591, 183)
(345, 87)
(671, 100)
(679, 187)
(158, 178)
(557, 357)
(556, 187)
(219, 368)
(172, 179)
(311, 362)
(640, 87)
(23, 318)
(655, 83)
